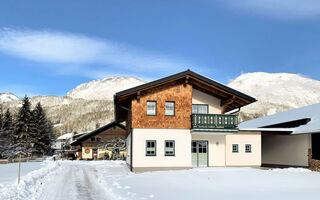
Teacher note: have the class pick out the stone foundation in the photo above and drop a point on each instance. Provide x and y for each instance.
(314, 165)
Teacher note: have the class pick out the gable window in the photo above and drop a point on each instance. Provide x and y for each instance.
(200, 109)
(169, 148)
(235, 148)
(92, 139)
(98, 139)
(151, 107)
(151, 146)
(248, 148)
(170, 108)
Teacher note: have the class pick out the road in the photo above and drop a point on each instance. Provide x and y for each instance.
(75, 182)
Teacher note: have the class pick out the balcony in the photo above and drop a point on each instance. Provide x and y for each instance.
(214, 121)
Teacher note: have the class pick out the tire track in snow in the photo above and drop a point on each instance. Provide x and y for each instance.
(77, 182)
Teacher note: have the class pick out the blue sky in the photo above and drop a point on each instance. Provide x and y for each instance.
(48, 48)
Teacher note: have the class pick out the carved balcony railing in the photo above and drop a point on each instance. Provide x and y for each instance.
(214, 121)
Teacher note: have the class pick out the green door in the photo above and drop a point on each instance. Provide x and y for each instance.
(199, 153)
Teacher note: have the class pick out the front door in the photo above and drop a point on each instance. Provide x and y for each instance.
(199, 153)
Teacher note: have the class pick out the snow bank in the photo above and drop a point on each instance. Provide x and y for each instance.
(73, 180)
(31, 184)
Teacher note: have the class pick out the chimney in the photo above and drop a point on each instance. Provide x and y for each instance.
(97, 125)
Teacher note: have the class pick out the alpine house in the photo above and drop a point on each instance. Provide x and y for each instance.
(181, 121)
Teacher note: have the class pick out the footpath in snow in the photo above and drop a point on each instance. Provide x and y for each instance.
(71, 180)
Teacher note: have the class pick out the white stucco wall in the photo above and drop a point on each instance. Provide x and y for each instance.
(182, 138)
(286, 149)
(242, 158)
(199, 97)
(217, 147)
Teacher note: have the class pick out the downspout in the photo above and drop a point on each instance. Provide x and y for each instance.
(238, 110)
(131, 135)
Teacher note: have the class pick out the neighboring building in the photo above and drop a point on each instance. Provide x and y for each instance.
(180, 122)
(60, 142)
(288, 138)
(108, 139)
(63, 141)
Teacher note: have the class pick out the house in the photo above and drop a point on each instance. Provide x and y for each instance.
(106, 140)
(289, 138)
(185, 120)
(63, 141)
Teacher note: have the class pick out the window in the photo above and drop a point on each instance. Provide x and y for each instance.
(92, 139)
(151, 107)
(235, 148)
(151, 148)
(98, 139)
(248, 148)
(169, 148)
(200, 109)
(170, 108)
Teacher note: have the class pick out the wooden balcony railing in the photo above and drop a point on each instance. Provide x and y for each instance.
(214, 121)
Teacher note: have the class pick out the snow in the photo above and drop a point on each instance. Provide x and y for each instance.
(312, 112)
(112, 180)
(7, 97)
(65, 136)
(103, 89)
(9, 172)
(276, 92)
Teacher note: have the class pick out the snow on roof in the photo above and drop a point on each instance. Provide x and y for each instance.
(65, 136)
(312, 112)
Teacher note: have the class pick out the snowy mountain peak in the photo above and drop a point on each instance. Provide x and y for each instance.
(276, 92)
(7, 97)
(103, 89)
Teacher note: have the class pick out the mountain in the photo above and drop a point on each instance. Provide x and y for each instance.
(83, 107)
(7, 97)
(275, 92)
(92, 102)
(103, 89)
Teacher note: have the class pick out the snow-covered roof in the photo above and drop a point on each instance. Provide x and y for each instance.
(65, 136)
(311, 112)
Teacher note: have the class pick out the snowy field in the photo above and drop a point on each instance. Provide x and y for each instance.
(9, 172)
(111, 180)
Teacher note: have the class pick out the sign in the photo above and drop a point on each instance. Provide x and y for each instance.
(87, 151)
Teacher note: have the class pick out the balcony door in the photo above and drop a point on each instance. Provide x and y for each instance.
(199, 153)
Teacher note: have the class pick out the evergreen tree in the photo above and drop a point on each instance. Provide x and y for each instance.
(24, 127)
(2, 139)
(1, 119)
(7, 135)
(43, 131)
(7, 127)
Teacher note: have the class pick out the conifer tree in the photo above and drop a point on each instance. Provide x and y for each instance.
(7, 134)
(1, 119)
(24, 126)
(7, 127)
(43, 130)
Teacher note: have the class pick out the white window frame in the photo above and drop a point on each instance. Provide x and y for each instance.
(235, 150)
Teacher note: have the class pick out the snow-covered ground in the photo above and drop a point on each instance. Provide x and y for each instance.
(111, 180)
(9, 172)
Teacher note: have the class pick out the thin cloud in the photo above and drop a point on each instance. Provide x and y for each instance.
(283, 9)
(70, 53)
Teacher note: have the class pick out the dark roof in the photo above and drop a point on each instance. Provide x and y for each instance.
(97, 131)
(184, 73)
